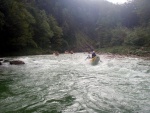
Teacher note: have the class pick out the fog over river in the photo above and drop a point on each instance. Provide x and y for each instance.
(69, 84)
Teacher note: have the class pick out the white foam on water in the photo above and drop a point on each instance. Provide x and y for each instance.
(68, 81)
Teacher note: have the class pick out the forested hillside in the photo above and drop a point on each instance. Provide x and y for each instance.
(43, 26)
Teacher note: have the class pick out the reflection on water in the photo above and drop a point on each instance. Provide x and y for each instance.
(69, 84)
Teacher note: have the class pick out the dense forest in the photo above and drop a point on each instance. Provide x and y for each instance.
(43, 26)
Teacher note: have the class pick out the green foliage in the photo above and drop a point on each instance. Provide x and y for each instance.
(116, 50)
(118, 35)
(128, 16)
(72, 24)
(142, 9)
(26, 26)
(42, 29)
(83, 43)
(103, 36)
(57, 37)
(139, 37)
(16, 29)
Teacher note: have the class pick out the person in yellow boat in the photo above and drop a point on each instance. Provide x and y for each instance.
(93, 54)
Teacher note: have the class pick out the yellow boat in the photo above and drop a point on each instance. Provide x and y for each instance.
(95, 60)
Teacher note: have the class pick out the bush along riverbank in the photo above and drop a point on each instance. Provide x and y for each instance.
(126, 50)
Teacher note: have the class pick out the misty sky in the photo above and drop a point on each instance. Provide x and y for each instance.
(117, 1)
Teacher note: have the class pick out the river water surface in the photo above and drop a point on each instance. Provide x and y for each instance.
(69, 84)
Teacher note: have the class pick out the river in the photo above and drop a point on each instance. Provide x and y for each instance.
(69, 84)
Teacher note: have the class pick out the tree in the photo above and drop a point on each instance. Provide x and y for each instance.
(16, 31)
(142, 8)
(56, 40)
(42, 30)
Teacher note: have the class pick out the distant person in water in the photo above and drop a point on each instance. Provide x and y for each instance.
(93, 54)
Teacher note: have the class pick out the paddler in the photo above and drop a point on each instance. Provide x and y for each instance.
(93, 54)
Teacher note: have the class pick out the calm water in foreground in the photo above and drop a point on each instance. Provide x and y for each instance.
(69, 84)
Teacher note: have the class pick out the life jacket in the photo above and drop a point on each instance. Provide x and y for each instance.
(93, 55)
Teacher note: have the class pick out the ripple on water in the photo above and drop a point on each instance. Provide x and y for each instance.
(67, 84)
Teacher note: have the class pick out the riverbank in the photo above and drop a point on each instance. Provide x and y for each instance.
(126, 50)
(116, 50)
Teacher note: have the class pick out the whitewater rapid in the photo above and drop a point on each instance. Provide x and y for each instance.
(69, 84)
